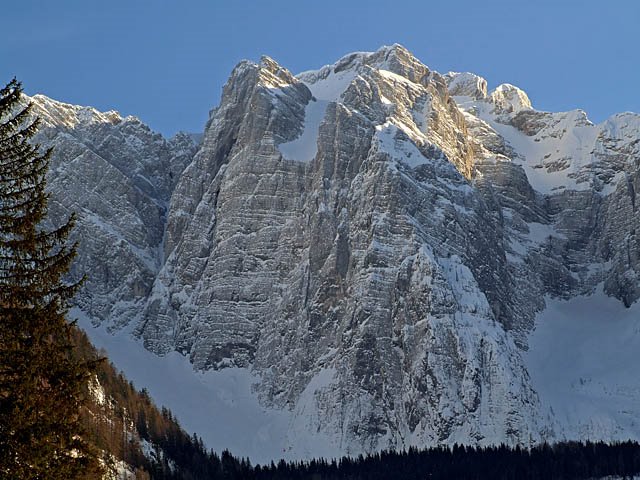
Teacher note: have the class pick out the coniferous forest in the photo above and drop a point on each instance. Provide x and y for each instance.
(126, 423)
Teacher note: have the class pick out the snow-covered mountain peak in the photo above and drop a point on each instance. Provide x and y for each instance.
(395, 59)
(393, 49)
(400, 61)
(249, 74)
(508, 98)
(625, 125)
(353, 60)
(466, 84)
(58, 114)
(403, 100)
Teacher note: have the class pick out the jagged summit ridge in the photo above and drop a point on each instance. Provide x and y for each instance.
(466, 84)
(372, 240)
(117, 176)
(54, 113)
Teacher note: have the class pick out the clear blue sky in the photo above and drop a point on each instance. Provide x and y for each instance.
(166, 61)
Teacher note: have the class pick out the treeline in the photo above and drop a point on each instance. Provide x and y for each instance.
(132, 429)
(562, 461)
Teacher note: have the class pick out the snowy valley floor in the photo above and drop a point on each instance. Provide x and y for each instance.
(583, 362)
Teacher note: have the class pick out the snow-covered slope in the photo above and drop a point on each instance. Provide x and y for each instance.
(363, 249)
(220, 405)
(583, 362)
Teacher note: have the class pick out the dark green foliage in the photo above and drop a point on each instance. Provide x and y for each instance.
(41, 381)
(563, 461)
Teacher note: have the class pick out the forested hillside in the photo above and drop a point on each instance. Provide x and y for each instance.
(139, 440)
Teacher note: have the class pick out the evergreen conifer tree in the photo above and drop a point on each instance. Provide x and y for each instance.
(42, 383)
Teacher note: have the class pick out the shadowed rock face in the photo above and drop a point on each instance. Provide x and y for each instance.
(381, 274)
(117, 176)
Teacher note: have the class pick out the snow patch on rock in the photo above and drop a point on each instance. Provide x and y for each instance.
(305, 147)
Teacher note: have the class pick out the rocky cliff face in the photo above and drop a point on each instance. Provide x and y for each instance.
(117, 176)
(372, 239)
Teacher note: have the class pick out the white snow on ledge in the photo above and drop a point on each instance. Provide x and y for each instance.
(402, 150)
(582, 360)
(305, 147)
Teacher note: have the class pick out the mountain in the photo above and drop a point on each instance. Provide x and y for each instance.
(117, 175)
(370, 255)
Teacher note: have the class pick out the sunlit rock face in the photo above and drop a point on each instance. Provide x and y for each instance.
(372, 239)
